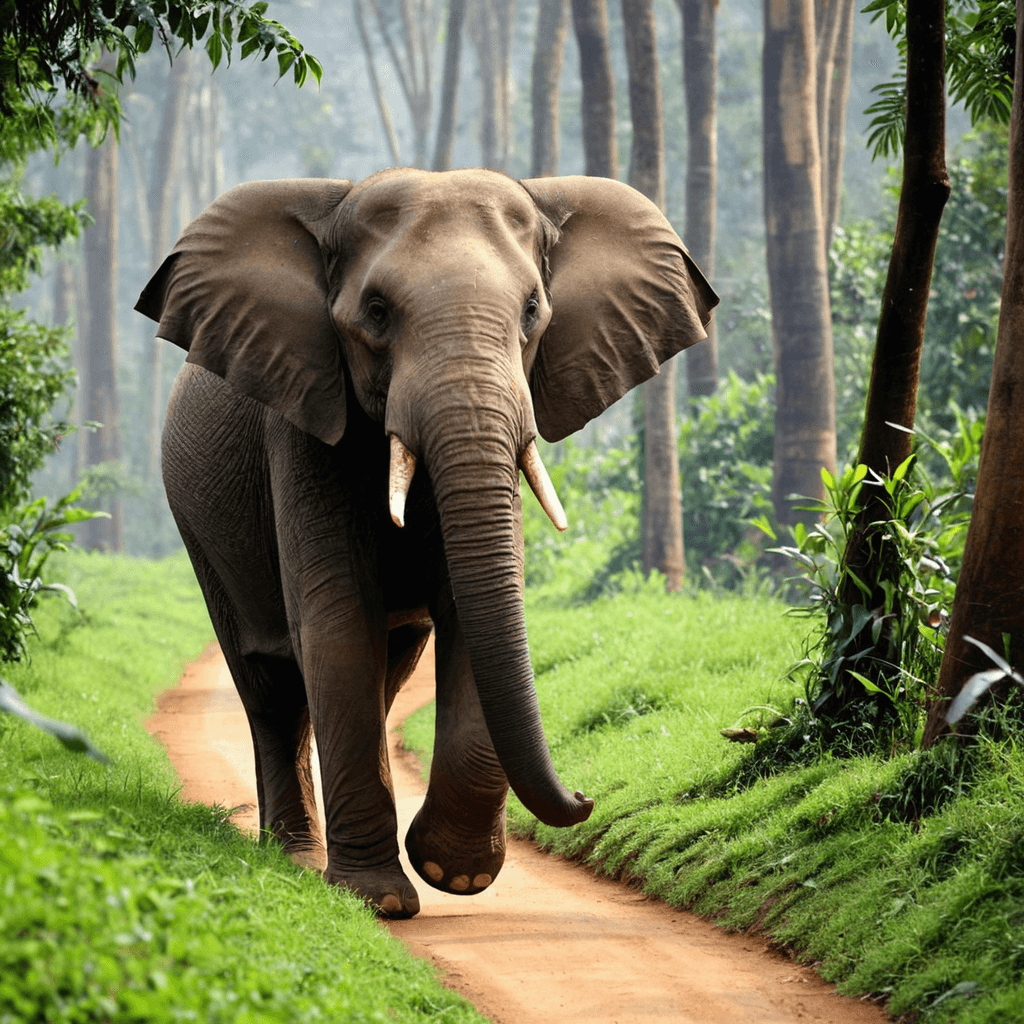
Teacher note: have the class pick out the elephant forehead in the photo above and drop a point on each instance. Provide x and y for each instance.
(424, 205)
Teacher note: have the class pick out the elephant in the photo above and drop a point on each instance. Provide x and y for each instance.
(369, 367)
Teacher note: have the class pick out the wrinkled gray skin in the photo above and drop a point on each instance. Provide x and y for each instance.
(457, 312)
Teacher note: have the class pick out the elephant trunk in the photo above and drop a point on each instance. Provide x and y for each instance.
(474, 471)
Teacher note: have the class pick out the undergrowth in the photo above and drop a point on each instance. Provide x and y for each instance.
(122, 904)
(898, 877)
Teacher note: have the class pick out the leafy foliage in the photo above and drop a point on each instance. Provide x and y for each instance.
(46, 42)
(725, 461)
(28, 536)
(888, 652)
(980, 37)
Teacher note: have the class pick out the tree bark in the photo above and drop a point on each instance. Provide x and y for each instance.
(839, 98)
(663, 506)
(163, 183)
(552, 23)
(805, 417)
(445, 144)
(590, 21)
(989, 602)
(700, 81)
(892, 392)
(100, 365)
(827, 21)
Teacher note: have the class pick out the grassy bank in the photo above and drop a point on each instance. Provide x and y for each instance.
(121, 904)
(902, 878)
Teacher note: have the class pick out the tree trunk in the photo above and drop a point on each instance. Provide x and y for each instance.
(483, 32)
(100, 365)
(989, 602)
(383, 109)
(805, 416)
(445, 144)
(163, 182)
(552, 22)
(700, 81)
(892, 392)
(590, 21)
(663, 506)
(827, 20)
(504, 18)
(839, 98)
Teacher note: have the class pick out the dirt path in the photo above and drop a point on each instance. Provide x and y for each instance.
(548, 943)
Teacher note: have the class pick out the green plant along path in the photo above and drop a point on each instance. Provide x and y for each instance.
(902, 877)
(117, 902)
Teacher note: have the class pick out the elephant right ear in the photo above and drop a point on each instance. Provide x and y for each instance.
(625, 297)
(244, 292)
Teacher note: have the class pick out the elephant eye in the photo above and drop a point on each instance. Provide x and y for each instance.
(530, 311)
(376, 315)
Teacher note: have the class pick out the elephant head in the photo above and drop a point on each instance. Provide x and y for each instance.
(466, 313)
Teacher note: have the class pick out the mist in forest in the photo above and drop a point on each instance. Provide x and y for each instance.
(382, 69)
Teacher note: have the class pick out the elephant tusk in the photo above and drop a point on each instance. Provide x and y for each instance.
(403, 465)
(540, 483)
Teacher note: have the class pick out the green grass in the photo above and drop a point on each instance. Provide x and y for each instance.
(900, 877)
(121, 904)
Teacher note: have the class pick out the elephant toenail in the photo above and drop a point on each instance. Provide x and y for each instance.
(482, 881)
(460, 883)
(432, 871)
(391, 904)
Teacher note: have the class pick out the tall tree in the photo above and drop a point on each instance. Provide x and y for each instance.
(700, 82)
(663, 506)
(989, 601)
(552, 22)
(805, 416)
(445, 143)
(410, 42)
(832, 140)
(164, 181)
(590, 22)
(872, 568)
(383, 109)
(103, 445)
(490, 29)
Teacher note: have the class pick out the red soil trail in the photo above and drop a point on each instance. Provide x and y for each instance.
(548, 943)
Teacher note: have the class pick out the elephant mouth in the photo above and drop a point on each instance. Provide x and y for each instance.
(403, 466)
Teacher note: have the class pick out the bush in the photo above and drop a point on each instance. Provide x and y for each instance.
(725, 463)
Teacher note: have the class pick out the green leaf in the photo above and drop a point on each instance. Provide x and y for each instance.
(72, 738)
(214, 49)
(285, 59)
(866, 683)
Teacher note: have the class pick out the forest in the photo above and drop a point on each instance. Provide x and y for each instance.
(841, 454)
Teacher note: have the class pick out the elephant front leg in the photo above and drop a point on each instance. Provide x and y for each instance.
(345, 683)
(457, 840)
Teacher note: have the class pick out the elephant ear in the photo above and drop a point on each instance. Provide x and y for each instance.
(625, 297)
(244, 292)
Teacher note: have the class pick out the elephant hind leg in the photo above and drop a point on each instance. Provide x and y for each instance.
(274, 697)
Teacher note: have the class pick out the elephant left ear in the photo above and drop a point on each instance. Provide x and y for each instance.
(625, 297)
(244, 292)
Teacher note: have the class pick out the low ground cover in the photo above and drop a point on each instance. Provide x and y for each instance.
(898, 877)
(120, 903)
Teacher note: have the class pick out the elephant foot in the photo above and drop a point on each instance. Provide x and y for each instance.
(311, 859)
(388, 893)
(452, 858)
